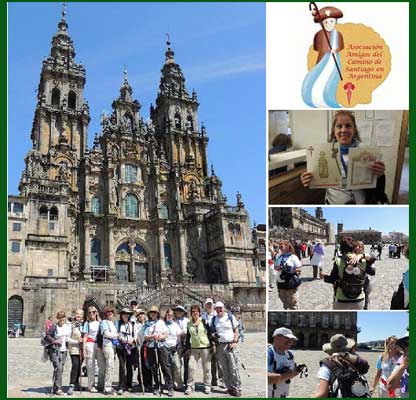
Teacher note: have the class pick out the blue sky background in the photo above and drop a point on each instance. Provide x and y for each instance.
(220, 47)
(384, 219)
(380, 325)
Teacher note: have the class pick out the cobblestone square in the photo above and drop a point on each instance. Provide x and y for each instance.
(315, 294)
(29, 377)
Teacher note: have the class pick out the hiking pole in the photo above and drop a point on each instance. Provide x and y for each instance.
(245, 369)
(158, 374)
(140, 367)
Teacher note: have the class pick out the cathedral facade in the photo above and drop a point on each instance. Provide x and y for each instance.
(140, 215)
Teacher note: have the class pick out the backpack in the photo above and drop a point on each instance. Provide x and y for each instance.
(270, 352)
(346, 381)
(397, 301)
(214, 328)
(291, 279)
(351, 285)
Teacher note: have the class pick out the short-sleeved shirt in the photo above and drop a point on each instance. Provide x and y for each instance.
(208, 317)
(276, 361)
(154, 328)
(91, 329)
(174, 332)
(386, 368)
(63, 334)
(224, 327)
(404, 380)
(291, 262)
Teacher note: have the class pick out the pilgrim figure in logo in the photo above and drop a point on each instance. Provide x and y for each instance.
(320, 85)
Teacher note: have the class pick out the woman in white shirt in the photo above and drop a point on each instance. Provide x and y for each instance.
(93, 350)
(58, 336)
(110, 341)
(288, 267)
(385, 366)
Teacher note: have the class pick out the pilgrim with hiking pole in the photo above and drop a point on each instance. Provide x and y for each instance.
(57, 339)
(154, 333)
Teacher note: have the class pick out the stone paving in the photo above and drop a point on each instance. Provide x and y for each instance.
(306, 387)
(29, 377)
(315, 294)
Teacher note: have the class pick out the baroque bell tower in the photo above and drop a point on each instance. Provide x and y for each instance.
(50, 180)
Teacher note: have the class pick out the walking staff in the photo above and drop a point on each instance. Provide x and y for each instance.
(315, 13)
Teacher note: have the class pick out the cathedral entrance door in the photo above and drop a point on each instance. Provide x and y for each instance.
(141, 274)
(122, 272)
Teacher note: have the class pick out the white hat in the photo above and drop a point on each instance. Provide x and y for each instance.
(286, 332)
(219, 304)
(179, 307)
(209, 300)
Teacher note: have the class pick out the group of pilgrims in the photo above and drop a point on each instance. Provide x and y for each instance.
(155, 344)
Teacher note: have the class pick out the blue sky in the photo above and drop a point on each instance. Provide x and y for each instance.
(220, 47)
(380, 325)
(384, 219)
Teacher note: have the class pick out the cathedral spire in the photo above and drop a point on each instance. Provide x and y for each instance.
(169, 52)
(126, 91)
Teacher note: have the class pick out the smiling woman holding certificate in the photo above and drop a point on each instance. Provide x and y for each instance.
(344, 133)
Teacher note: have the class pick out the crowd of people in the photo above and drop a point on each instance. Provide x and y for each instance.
(155, 344)
(349, 275)
(342, 373)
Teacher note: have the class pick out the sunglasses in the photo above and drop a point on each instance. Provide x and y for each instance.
(110, 312)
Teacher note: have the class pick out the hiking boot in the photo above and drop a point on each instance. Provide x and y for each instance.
(59, 392)
(92, 389)
(188, 390)
(120, 392)
(70, 391)
(207, 390)
(170, 392)
(156, 392)
(108, 391)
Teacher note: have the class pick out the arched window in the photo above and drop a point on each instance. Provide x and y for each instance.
(123, 248)
(130, 173)
(53, 214)
(15, 312)
(168, 255)
(190, 122)
(177, 121)
(163, 211)
(43, 212)
(95, 205)
(56, 97)
(132, 206)
(231, 228)
(95, 252)
(237, 229)
(72, 100)
(139, 249)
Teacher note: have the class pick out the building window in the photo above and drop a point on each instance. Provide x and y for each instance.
(132, 209)
(10, 206)
(56, 97)
(43, 212)
(72, 100)
(50, 272)
(168, 255)
(18, 208)
(17, 226)
(53, 214)
(95, 252)
(15, 247)
(95, 206)
(51, 226)
(130, 173)
(163, 211)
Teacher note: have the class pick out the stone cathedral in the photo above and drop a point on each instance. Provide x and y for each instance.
(139, 215)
